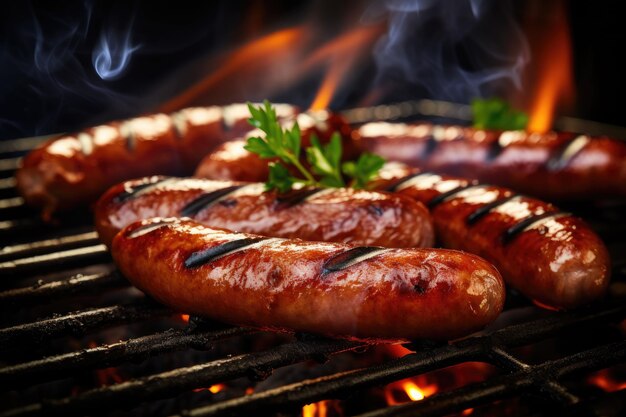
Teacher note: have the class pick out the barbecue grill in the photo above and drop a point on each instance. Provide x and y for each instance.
(68, 318)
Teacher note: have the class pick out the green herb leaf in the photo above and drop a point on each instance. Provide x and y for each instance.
(279, 178)
(325, 160)
(365, 168)
(497, 114)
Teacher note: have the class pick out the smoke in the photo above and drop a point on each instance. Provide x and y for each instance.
(451, 50)
(112, 54)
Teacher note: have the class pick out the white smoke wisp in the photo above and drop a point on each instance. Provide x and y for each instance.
(451, 50)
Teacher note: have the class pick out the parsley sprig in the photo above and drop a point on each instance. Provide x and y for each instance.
(497, 114)
(285, 144)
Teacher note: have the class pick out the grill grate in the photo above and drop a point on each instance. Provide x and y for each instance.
(59, 291)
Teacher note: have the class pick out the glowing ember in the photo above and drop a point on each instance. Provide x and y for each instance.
(606, 381)
(467, 412)
(554, 80)
(411, 389)
(185, 318)
(214, 389)
(324, 408)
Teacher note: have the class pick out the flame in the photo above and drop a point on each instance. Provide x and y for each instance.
(341, 56)
(269, 48)
(185, 318)
(555, 79)
(214, 389)
(324, 408)
(606, 381)
(467, 412)
(411, 389)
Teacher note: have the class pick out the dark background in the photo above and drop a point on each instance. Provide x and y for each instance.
(48, 83)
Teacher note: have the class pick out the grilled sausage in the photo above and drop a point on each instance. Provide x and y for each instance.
(230, 161)
(317, 287)
(550, 256)
(554, 166)
(74, 170)
(335, 215)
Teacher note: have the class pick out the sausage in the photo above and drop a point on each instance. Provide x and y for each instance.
(75, 169)
(549, 255)
(553, 166)
(230, 161)
(335, 214)
(370, 293)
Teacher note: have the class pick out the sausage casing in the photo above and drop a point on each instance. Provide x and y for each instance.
(550, 256)
(337, 214)
(75, 169)
(554, 166)
(324, 288)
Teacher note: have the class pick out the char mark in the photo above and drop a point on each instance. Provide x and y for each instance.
(480, 212)
(137, 190)
(131, 140)
(296, 197)
(350, 257)
(562, 156)
(435, 201)
(394, 187)
(147, 228)
(513, 231)
(494, 150)
(205, 200)
(203, 257)
(429, 146)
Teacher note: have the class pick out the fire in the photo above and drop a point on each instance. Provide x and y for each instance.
(606, 381)
(214, 389)
(324, 408)
(271, 49)
(341, 54)
(554, 77)
(185, 318)
(411, 389)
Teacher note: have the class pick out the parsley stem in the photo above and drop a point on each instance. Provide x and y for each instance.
(294, 160)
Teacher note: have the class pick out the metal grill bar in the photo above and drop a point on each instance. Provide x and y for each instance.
(61, 366)
(83, 284)
(343, 384)
(80, 323)
(63, 259)
(508, 385)
(50, 245)
(171, 383)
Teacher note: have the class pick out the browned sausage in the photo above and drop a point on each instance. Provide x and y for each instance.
(317, 287)
(550, 256)
(554, 166)
(230, 161)
(335, 215)
(74, 170)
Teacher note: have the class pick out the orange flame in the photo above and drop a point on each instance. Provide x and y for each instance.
(322, 409)
(342, 54)
(214, 389)
(409, 388)
(606, 381)
(555, 81)
(270, 48)
(185, 318)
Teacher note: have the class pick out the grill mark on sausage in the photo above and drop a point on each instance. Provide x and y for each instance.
(435, 201)
(564, 154)
(351, 257)
(494, 150)
(127, 131)
(402, 181)
(205, 256)
(195, 206)
(86, 143)
(513, 231)
(179, 123)
(147, 228)
(480, 212)
(137, 190)
(298, 196)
